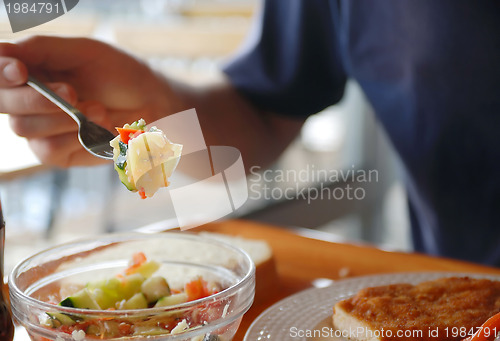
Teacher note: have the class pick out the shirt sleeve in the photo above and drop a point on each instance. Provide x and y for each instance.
(291, 63)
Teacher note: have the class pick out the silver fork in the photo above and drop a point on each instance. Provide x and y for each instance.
(94, 138)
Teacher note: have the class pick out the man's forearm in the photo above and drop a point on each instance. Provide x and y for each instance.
(227, 118)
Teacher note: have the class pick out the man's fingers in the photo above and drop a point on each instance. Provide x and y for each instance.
(42, 125)
(13, 72)
(55, 150)
(62, 150)
(25, 100)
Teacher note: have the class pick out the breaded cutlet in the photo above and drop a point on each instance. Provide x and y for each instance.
(442, 309)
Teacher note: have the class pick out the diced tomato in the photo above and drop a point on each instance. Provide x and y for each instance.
(488, 330)
(67, 329)
(197, 289)
(142, 193)
(126, 134)
(138, 259)
(194, 289)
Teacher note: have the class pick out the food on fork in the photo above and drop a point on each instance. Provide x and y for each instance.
(144, 159)
(444, 309)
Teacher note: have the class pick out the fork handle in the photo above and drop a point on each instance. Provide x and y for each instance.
(56, 99)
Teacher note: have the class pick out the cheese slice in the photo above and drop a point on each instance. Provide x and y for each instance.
(151, 159)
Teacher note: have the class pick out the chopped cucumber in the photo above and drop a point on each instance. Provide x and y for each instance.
(166, 301)
(148, 268)
(149, 330)
(103, 299)
(105, 292)
(154, 288)
(138, 301)
(131, 285)
(57, 319)
(140, 125)
(82, 299)
(124, 178)
(109, 286)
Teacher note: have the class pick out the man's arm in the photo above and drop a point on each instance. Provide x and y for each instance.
(113, 88)
(227, 118)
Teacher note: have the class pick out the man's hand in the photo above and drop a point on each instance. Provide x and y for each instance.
(107, 85)
(112, 88)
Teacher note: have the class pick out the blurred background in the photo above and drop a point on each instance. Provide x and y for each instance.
(191, 39)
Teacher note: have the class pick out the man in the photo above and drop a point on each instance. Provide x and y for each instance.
(428, 67)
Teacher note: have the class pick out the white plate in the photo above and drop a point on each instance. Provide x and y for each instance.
(306, 315)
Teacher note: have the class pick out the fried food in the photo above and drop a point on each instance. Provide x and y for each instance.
(444, 309)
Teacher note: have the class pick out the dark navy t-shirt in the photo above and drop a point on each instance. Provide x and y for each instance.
(431, 70)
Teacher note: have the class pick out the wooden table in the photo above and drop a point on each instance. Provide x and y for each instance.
(299, 260)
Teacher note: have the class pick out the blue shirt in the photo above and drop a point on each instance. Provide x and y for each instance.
(431, 70)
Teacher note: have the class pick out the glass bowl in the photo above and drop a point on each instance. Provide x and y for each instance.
(40, 281)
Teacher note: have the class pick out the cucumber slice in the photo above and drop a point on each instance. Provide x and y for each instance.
(138, 301)
(139, 124)
(154, 288)
(166, 301)
(148, 268)
(130, 286)
(82, 299)
(105, 292)
(103, 299)
(149, 331)
(55, 320)
(124, 179)
(110, 286)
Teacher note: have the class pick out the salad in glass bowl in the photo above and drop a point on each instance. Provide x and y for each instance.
(166, 286)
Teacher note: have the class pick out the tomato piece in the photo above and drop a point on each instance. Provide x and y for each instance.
(142, 193)
(196, 289)
(67, 329)
(126, 134)
(488, 329)
(138, 259)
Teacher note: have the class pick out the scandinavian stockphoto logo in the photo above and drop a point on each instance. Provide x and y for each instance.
(25, 14)
(210, 181)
